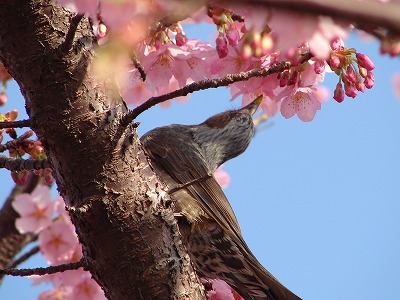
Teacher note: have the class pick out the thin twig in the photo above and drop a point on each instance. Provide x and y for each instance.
(24, 257)
(14, 144)
(18, 164)
(213, 83)
(42, 271)
(138, 66)
(69, 38)
(15, 124)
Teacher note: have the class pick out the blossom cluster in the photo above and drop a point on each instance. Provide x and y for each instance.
(171, 60)
(58, 244)
(21, 145)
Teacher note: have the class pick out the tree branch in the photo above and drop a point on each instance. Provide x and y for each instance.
(15, 124)
(42, 271)
(24, 257)
(12, 144)
(213, 83)
(372, 13)
(18, 164)
(69, 38)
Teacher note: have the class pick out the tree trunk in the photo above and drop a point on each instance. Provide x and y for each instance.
(131, 242)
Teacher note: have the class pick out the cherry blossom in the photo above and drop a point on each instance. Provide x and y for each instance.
(59, 293)
(35, 210)
(222, 177)
(258, 86)
(303, 103)
(222, 291)
(88, 289)
(58, 242)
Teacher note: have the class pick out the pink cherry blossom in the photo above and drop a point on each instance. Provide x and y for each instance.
(185, 63)
(88, 289)
(222, 177)
(58, 242)
(254, 87)
(303, 102)
(58, 293)
(35, 210)
(222, 291)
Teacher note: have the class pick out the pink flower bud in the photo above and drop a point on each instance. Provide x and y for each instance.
(319, 66)
(350, 90)
(247, 52)
(222, 46)
(26, 135)
(338, 94)
(254, 38)
(232, 35)
(334, 61)
(369, 80)
(350, 74)
(3, 98)
(365, 61)
(267, 44)
(360, 86)
(11, 115)
(363, 71)
(181, 39)
(49, 179)
(336, 43)
(395, 48)
(20, 177)
(284, 78)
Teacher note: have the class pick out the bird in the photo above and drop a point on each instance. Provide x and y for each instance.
(184, 157)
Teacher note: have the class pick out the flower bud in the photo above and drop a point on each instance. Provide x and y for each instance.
(364, 61)
(222, 46)
(338, 94)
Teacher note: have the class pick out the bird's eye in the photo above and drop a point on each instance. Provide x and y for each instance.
(242, 118)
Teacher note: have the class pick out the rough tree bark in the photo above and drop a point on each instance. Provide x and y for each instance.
(130, 239)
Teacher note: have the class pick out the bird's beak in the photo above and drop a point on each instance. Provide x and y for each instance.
(252, 107)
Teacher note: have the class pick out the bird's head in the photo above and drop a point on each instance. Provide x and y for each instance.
(226, 135)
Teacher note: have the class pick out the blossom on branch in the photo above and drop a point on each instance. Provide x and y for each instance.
(35, 210)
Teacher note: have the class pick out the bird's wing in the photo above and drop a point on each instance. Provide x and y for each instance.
(178, 156)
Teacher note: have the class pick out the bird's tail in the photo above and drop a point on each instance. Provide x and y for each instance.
(227, 257)
(254, 282)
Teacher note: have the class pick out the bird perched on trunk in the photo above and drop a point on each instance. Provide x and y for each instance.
(185, 157)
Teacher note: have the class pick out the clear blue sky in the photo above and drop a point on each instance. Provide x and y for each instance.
(318, 202)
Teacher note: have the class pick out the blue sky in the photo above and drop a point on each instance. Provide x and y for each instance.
(318, 202)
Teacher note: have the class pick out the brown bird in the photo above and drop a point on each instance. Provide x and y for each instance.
(185, 157)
